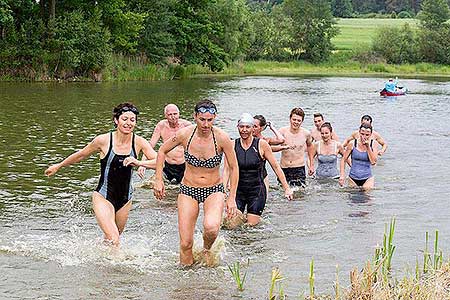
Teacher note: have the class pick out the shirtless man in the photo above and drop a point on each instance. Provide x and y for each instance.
(366, 119)
(315, 132)
(293, 159)
(174, 165)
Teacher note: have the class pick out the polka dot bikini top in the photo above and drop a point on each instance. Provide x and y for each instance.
(210, 163)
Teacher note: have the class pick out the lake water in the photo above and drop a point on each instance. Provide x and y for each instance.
(50, 246)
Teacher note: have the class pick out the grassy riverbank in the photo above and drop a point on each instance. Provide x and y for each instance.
(429, 281)
(340, 68)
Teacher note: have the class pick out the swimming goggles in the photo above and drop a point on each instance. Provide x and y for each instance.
(126, 108)
(211, 110)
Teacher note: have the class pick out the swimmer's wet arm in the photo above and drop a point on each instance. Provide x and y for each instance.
(226, 174)
(373, 154)
(344, 159)
(383, 144)
(268, 155)
(156, 135)
(230, 155)
(279, 137)
(149, 157)
(310, 150)
(94, 146)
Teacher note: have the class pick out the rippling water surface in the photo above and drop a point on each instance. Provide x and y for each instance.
(50, 246)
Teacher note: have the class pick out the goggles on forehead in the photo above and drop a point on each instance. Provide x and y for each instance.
(126, 108)
(203, 109)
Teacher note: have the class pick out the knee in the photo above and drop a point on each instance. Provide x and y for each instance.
(211, 227)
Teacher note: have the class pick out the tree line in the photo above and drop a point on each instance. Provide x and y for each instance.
(67, 38)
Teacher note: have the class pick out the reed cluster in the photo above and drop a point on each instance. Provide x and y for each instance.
(375, 281)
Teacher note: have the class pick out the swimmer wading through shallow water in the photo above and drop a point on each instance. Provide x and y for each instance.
(118, 150)
(204, 145)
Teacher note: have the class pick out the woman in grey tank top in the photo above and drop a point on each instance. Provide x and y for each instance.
(327, 151)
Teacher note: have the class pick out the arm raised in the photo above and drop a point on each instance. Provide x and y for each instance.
(94, 146)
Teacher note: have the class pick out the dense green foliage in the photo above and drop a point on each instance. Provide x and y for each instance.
(66, 39)
(312, 28)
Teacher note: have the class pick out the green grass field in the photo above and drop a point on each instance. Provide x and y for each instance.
(358, 33)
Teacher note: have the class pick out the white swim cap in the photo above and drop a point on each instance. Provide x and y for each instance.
(245, 119)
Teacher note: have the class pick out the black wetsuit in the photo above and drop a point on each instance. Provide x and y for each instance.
(115, 180)
(251, 191)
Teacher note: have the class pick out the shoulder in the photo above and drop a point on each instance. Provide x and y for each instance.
(184, 123)
(185, 131)
(220, 134)
(161, 124)
(284, 130)
(263, 143)
(140, 140)
(306, 132)
(102, 138)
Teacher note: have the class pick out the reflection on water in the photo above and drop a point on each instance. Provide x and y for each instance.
(50, 241)
(359, 196)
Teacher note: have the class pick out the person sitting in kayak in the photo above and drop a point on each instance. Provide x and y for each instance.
(391, 85)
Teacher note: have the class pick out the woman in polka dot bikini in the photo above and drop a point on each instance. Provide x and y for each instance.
(204, 146)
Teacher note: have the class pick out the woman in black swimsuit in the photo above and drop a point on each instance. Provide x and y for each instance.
(118, 150)
(204, 145)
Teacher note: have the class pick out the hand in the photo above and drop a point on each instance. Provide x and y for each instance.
(141, 172)
(130, 161)
(231, 207)
(380, 153)
(311, 171)
(341, 181)
(52, 170)
(289, 194)
(365, 142)
(159, 189)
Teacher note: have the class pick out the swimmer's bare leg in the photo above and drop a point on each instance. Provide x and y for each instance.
(105, 215)
(188, 210)
(253, 220)
(213, 209)
(122, 216)
(369, 184)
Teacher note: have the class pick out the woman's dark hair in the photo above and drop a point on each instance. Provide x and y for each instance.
(262, 120)
(327, 125)
(366, 126)
(366, 117)
(206, 103)
(124, 107)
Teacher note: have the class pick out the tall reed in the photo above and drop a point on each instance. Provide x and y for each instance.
(311, 279)
(239, 278)
(275, 282)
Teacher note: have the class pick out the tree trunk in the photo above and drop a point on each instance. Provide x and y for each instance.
(42, 9)
(52, 8)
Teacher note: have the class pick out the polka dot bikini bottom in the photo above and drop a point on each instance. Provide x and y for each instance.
(201, 193)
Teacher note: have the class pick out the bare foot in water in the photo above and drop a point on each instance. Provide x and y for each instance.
(210, 259)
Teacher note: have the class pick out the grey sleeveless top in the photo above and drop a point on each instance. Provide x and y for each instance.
(327, 164)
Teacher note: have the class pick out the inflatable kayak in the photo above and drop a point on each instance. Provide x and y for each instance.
(385, 93)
